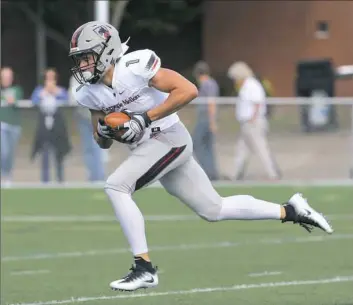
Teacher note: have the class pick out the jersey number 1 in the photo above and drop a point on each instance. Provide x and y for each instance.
(131, 62)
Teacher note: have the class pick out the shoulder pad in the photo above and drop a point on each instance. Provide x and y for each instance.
(144, 63)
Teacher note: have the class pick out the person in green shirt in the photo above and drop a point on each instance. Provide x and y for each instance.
(10, 123)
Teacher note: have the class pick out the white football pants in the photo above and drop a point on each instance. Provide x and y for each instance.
(167, 157)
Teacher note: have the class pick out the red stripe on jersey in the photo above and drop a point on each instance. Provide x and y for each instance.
(155, 64)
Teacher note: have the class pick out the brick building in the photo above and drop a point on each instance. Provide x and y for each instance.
(273, 35)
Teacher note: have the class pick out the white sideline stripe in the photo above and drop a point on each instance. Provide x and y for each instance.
(106, 218)
(265, 273)
(226, 244)
(100, 185)
(29, 272)
(337, 279)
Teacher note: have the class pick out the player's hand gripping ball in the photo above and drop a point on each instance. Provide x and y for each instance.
(126, 126)
(111, 123)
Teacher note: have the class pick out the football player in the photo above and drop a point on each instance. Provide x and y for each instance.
(161, 147)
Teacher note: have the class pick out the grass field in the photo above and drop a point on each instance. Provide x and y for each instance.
(64, 247)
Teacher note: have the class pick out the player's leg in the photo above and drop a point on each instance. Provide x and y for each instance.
(190, 184)
(147, 163)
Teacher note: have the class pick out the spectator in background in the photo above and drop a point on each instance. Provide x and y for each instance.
(51, 135)
(10, 123)
(206, 125)
(268, 87)
(92, 153)
(251, 115)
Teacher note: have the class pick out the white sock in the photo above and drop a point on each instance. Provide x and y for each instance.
(244, 207)
(131, 220)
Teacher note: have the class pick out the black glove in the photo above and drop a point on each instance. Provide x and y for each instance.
(105, 131)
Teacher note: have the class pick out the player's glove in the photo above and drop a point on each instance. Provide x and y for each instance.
(105, 131)
(135, 127)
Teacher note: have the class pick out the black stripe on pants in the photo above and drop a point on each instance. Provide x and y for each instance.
(159, 166)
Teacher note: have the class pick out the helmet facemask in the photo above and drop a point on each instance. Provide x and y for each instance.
(83, 73)
(94, 48)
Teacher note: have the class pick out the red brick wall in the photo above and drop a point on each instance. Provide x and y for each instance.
(273, 35)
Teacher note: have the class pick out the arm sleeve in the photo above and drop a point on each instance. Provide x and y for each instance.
(146, 65)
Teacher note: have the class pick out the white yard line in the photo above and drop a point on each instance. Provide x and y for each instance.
(107, 218)
(265, 273)
(225, 244)
(337, 279)
(29, 272)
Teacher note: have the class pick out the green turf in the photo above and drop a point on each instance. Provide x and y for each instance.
(253, 247)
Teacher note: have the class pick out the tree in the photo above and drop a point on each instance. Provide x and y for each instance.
(119, 8)
(160, 16)
(54, 20)
(61, 17)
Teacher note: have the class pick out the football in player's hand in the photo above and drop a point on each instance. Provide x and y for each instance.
(115, 119)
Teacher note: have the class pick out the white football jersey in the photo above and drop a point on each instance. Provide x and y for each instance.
(130, 88)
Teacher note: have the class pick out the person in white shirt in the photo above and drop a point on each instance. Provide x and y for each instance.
(251, 115)
(161, 147)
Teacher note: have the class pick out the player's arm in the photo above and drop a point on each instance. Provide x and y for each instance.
(103, 143)
(181, 92)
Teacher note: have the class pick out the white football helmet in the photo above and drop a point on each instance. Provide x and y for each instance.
(101, 40)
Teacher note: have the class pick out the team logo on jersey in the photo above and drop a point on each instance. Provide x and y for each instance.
(102, 32)
(119, 106)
